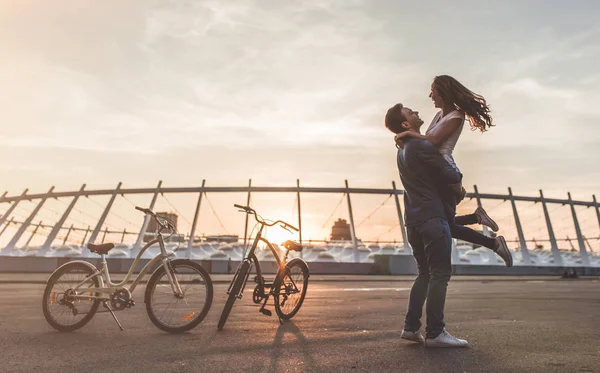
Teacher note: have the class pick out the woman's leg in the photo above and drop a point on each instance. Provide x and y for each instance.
(480, 216)
(497, 245)
(466, 219)
(463, 233)
(467, 234)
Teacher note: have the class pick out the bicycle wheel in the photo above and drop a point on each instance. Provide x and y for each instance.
(62, 311)
(289, 295)
(238, 282)
(178, 314)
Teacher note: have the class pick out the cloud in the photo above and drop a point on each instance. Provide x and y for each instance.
(531, 88)
(232, 88)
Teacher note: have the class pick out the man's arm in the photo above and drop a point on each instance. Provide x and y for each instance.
(437, 166)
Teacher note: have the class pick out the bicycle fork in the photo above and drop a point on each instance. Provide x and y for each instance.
(172, 278)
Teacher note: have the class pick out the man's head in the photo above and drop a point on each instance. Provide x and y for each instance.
(399, 119)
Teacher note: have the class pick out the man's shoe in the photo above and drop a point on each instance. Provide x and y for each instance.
(412, 336)
(503, 251)
(445, 339)
(484, 219)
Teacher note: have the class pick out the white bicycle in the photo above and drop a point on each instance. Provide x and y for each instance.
(178, 294)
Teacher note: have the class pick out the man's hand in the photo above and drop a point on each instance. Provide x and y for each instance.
(459, 192)
(399, 139)
(463, 193)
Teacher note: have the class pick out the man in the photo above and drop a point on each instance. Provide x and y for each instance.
(424, 172)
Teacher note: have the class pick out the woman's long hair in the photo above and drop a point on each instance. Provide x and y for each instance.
(464, 100)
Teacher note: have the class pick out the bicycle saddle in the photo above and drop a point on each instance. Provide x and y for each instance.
(101, 249)
(291, 245)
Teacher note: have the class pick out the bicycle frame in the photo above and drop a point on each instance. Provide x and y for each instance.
(104, 274)
(253, 260)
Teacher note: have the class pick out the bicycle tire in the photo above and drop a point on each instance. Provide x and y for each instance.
(238, 282)
(48, 300)
(151, 289)
(301, 264)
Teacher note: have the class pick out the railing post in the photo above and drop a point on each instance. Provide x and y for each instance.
(455, 253)
(523, 243)
(33, 234)
(486, 231)
(13, 242)
(100, 223)
(87, 231)
(597, 209)
(407, 247)
(8, 223)
(12, 207)
(247, 204)
(582, 250)
(67, 235)
(104, 235)
(62, 220)
(138, 243)
(195, 221)
(299, 214)
(353, 229)
(553, 244)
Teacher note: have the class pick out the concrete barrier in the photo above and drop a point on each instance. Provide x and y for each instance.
(406, 265)
(383, 265)
(28, 264)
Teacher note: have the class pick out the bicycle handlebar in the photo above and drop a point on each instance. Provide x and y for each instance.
(163, 224)
(145, 211)
(250, 210)
(245, 208)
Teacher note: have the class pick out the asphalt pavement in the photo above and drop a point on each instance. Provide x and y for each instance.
(347, 324)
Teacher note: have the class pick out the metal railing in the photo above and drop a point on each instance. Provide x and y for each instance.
(91, 235)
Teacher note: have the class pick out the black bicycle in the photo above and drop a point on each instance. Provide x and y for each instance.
(289, 286)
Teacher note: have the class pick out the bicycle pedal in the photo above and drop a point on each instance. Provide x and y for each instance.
(266, 312)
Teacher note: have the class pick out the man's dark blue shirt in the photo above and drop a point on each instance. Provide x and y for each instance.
(424, 174)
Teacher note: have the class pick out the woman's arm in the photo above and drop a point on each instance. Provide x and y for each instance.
(401, 137)
(436, 137)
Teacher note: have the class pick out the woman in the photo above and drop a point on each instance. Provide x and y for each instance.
(457, 102)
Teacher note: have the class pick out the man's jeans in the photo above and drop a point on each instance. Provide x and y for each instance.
(432, 246)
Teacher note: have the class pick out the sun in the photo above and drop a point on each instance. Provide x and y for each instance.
(277, 235)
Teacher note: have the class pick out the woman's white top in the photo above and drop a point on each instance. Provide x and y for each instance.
(447, 147)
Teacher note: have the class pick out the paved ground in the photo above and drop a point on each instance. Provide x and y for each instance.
(529, 325)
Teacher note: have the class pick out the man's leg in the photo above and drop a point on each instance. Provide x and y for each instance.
(437, 242)
(418, 293)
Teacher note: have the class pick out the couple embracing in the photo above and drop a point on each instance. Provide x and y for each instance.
(433, 188)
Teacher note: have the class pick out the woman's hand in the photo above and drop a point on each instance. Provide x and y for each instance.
(400, 138)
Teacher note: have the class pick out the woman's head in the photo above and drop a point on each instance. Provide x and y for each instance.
(445, 90)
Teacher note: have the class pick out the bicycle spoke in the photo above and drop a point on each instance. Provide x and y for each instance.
(173, 310)
(291, 289)
(64, 309)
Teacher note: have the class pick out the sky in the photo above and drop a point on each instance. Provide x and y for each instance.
(180, 91)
